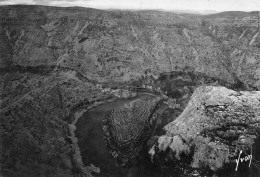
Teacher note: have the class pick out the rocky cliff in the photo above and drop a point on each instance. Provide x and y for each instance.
(217, 129)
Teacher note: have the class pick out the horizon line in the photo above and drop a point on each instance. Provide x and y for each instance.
(202, 12)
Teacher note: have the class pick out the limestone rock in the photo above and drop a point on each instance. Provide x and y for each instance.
(216, 125)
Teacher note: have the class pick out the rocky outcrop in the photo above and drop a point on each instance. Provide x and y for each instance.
(216, 127)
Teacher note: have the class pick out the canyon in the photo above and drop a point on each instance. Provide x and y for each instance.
(87, 92)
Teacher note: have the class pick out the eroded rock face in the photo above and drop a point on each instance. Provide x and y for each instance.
(216, 125)
(113, 46)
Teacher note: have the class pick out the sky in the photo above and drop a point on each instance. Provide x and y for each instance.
(193, 5)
